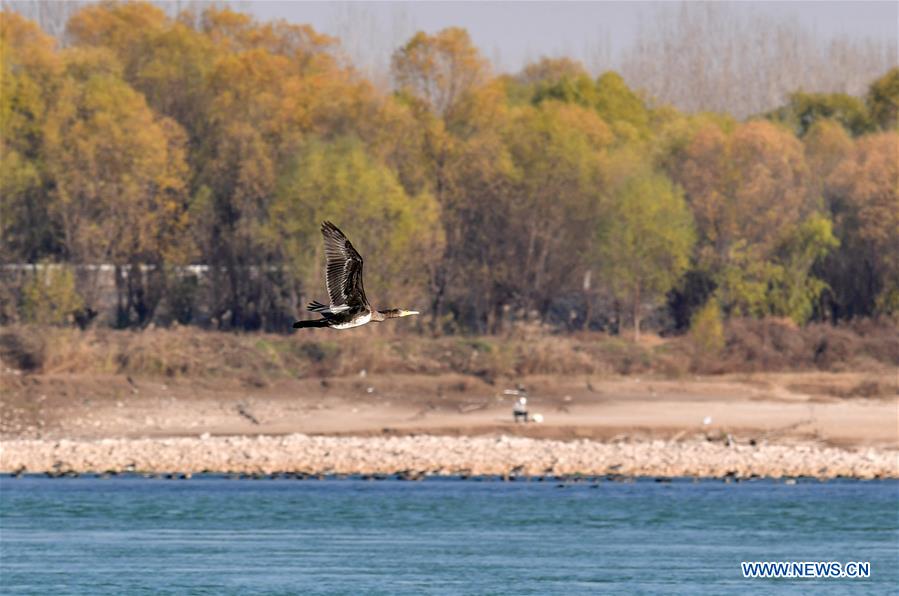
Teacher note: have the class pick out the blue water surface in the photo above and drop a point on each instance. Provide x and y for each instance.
(215, 535)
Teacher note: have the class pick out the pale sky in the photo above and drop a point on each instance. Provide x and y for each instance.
(513, 33)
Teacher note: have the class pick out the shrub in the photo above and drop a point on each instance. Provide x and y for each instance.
(707, 330)
(22, 348)
(50, 298)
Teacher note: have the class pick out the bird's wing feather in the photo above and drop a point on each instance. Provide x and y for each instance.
(321, 308)
(343, 273)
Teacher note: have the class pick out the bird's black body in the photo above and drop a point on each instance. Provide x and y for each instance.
(343, 277)
(316, 323)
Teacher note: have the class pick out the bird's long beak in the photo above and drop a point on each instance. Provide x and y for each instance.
(406, 313)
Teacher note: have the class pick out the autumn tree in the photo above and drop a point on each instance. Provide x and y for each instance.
(168, 61)
(119, 180)
(827, 143)
(444, 82)
(29, 82)
(864, 193)
(551, 70)
(746, 186)
(749, 192)
(440, 69)
(147, 139)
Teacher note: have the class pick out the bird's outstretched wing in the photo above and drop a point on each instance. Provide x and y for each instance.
(343, 272)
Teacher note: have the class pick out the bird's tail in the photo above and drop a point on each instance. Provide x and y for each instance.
(316, 306)
(316, 323)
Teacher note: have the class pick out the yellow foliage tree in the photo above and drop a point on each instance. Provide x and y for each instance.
(30, 73)
(50, 298)
(867, 185)
(119, 175)
(440, 69)
(707, 330)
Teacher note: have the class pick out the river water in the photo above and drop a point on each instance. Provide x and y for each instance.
(215, 535)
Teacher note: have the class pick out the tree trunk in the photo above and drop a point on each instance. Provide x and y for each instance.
(637, 314)
(121, 311)
(438, 289)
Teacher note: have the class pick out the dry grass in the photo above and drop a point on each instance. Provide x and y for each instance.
(751, 346)
(778, 345)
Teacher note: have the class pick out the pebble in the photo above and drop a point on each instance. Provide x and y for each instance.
(414, 457)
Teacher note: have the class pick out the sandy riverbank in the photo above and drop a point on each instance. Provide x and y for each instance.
(424, 455)
(844, 410)
(774, 424)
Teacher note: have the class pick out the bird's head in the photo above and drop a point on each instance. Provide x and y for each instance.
(408, 313)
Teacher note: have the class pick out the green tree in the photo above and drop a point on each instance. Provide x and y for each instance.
(50, 297)
(621, 107)
(707, 330)
(578, 89)
(796, 290)
(804, 109)
(553, 201)
(339, 181)
(883, 100)
(786, 284)
(646, 240)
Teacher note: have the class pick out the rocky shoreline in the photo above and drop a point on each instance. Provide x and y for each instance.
(420, 455)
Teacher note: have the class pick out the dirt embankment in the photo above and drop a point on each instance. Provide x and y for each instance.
(165, 397)
(837, 409)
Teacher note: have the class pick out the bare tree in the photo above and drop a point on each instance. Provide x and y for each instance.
(52, 16)
(727, 58)
(369, 37)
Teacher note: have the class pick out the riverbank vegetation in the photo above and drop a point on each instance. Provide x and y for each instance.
(744, 346)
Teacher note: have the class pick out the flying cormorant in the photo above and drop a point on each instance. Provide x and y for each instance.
(343, 275)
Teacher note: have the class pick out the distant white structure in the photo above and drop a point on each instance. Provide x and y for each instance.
(520, 410)
(520, 407)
